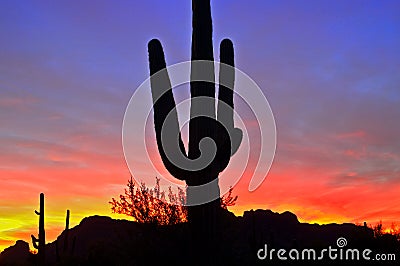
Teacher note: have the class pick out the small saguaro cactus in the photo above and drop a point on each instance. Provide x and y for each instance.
(67, 248)
(205, 122)
(66, 231)
(40, 242)
(66, 251)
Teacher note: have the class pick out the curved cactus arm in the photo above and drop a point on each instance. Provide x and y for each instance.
(35, 242)
(225, 94)
(37, 213)
(164, 106)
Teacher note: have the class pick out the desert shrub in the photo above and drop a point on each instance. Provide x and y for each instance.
(154, 206)
(380, 231)
(395, 230)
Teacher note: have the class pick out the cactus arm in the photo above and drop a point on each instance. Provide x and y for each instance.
(225, 94)
(225, 102)
(164, 105)
(37, 213)
(226, 83)
(35, 242)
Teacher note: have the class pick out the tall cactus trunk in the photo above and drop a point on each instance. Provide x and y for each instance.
(204, 228)
(42, 233)
(40, 242)
(202, 218)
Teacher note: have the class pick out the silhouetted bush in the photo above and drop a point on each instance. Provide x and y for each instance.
(155, 206)
(380, 231)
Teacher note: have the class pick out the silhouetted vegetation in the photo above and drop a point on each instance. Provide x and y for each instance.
(155, 206)
(40, 242)
(380, 231)
(151, 205)
(395, 230)
(66, 252)
(205, 122)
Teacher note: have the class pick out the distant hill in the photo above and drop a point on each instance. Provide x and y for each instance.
(100, 240)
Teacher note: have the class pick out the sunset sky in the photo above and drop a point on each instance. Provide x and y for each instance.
(329, 69)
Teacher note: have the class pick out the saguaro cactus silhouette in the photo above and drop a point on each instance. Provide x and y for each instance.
(39, 243)
(205, 122)
(66, 251)
(66, 230)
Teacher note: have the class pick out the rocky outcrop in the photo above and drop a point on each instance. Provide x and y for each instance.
(16, 255)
